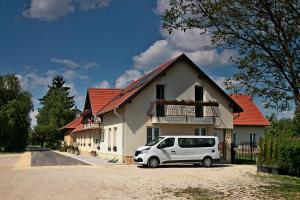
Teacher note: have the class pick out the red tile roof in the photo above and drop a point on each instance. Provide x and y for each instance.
(100, 97)
(251, 114)
(137, 86)
(78, 128)
(73, 124)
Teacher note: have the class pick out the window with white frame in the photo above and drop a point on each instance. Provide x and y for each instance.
(109, 137)
(115, 136)
(201, 131)
(102, 136)
(152, 132)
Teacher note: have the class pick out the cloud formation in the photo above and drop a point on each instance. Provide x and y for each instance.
(49, 10)
(127, 77)
(73, 64)
(103, 84)
(93, 4)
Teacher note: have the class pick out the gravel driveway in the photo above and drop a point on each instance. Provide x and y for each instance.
(83, 182)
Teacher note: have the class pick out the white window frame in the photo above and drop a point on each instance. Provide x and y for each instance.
(153, 132)
(199, 133)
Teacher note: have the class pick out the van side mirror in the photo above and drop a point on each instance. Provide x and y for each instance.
(161, 146)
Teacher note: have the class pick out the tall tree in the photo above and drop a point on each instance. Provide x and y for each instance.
(57, 110)
(266, 35)
(15, 106)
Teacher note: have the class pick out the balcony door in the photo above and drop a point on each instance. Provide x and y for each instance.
(160, 95)
(198, 97)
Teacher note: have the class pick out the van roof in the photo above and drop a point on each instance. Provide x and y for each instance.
(188, 136)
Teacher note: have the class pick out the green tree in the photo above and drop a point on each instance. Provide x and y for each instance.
(266, 35)
(15, 106)
(57, 110)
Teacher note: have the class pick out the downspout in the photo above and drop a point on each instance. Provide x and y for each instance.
(123, 130)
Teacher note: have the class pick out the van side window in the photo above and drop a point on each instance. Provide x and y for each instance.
(196, 142)
(169, 142)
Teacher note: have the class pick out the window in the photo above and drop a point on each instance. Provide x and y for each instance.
(109, 137)
(201, 131)
(235, 140)
(252, 139)
(169, 142)
(198, 97)
(102, 136)
(152, 132)
(160, 94)
(196, 142)
(115, 137)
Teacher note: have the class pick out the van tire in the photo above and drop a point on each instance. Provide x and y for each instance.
(153, 162)
(207, 162)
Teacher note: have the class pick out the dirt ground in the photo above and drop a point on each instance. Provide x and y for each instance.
(84, 182)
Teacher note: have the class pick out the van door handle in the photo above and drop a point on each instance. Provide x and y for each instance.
(173, 151)
(213, 150)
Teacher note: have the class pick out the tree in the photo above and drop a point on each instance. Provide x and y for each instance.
(15, 106)
(57, 110)
(266, 35)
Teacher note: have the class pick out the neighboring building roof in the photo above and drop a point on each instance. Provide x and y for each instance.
(73, 124)
(78, 128)
(137, 86)
(99, 97)
(251, 114)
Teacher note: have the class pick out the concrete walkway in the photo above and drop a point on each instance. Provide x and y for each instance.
(91, 160)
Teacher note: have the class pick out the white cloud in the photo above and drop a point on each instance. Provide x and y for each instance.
(161, 6)
(48, 9)
(93, 4)
(155, 55)
(33, 80)
(103, 84)
(66, 62)
(194, 44)
(188, 41)
(127, 77)
(33, 119)
(73, 64)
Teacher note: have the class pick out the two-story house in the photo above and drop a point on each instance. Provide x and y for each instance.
(176, 98)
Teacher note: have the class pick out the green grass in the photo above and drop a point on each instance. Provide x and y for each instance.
(287, 187)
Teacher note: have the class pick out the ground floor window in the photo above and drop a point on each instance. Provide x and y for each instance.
(152, 132)
(253, 139)
(102, 136)
(235, 140)
(201, 131)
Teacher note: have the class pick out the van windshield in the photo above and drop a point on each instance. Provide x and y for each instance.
(155, 141)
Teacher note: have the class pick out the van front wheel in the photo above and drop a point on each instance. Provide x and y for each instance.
(153, 162)
(207, 162)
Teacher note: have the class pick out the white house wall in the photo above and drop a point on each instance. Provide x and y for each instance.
(180, 82)
(243, 133)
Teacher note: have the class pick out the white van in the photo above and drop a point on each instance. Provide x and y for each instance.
(179, 149)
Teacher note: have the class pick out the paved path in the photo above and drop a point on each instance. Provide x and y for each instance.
(50, 158)
(87, 158)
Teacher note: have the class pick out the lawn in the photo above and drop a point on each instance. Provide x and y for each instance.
(287, 187)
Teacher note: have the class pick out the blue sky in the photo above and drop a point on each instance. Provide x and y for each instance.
(94, 43)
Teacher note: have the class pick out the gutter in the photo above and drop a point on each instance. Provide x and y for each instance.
(123, 130)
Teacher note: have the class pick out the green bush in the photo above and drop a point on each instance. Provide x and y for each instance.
(281, 147)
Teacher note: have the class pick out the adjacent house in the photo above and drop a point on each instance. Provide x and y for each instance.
(249, 125)
(176, 98)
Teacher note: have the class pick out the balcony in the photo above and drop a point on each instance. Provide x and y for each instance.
(183, 112)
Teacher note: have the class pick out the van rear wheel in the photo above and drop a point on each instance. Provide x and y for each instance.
(153, 162)
(207, 162)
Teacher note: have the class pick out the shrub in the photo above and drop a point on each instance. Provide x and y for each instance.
(281, 147)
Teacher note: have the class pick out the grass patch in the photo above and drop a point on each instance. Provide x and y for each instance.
(195, 193)
(286, 187)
